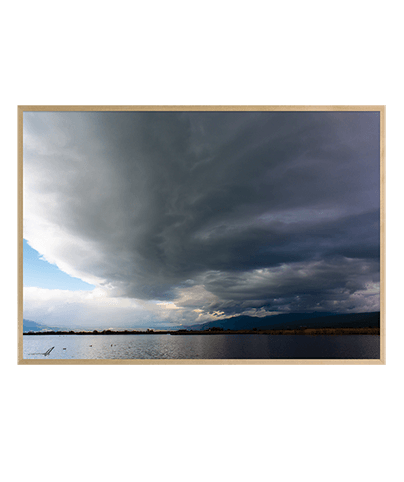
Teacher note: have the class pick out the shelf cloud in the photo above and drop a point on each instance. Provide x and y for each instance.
(209, 212)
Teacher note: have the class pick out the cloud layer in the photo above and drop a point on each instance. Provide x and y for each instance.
(238, 211)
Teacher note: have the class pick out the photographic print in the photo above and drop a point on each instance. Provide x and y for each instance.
(201, 235)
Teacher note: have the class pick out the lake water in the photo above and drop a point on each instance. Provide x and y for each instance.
(84, 347)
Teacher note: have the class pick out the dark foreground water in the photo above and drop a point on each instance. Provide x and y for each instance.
(202, 347)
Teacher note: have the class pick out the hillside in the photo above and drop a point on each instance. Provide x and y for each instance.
(29, 325)
(295, 320)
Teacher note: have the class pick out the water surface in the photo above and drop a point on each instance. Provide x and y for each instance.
(202, 346)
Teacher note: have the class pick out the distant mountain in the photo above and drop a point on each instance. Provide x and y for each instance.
(295, 320)
(250, 322)
(351, 320)
(29, 325)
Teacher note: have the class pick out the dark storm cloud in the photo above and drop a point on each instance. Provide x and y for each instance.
(166, 199)
(305, 286)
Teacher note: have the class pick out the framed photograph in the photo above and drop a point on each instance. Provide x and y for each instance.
(201, 235)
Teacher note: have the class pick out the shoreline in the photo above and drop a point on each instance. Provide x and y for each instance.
(299, 331)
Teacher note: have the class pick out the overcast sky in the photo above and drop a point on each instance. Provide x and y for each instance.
(180, 218)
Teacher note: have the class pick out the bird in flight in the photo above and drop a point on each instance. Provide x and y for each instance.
(46, 353)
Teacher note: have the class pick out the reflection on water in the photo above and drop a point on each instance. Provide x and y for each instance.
(202, 347)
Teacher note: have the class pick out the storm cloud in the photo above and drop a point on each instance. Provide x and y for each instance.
(231, 212)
